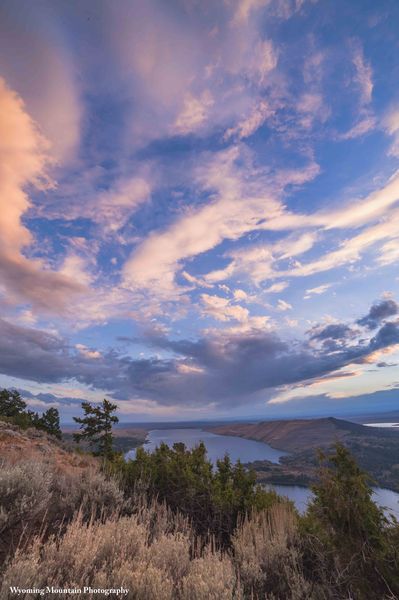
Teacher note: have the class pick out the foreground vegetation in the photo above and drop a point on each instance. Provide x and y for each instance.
(168, 525)
(138, 525)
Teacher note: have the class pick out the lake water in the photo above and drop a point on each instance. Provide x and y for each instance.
(216, 445)
(382, 425)
(301, 496)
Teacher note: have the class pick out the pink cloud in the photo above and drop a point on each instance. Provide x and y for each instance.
(24, 161)
(36, 64)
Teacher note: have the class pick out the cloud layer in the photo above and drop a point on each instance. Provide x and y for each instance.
(221, 371)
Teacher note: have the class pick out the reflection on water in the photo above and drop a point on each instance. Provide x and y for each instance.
(216, 445)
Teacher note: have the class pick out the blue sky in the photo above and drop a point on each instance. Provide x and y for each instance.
(200, 206)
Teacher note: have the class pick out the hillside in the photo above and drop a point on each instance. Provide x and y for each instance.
(375, 449)
(294, 435)
(33, 445)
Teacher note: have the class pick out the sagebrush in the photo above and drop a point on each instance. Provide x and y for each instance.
(89, 528)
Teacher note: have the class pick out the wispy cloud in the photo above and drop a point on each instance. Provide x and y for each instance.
(282, 305)
(391, 126)
(38, 66)
(156, 261)
(320, 289)
(363, 73)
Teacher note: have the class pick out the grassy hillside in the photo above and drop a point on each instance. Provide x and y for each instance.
(296, 434)
(375, 449)
(17, 445)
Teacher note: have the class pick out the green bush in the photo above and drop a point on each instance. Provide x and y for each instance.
(11, 403)
(346, 534)
(214, 499)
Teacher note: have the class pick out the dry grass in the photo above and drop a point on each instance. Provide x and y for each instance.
(94, 537)
(145, 548)
(149, 553)
(210, 577)
(267, 558)
(33, 445)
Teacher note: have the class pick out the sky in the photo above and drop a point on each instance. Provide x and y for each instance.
(199, 210)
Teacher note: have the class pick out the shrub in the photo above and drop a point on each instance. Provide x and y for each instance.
(267, 557)
(35, 497)
(346, 535)
(213, 499)
(210, 577)
(91, 492)
(25, 493)
(119, 551)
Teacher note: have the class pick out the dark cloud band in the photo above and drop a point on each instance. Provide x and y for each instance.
(228, 369)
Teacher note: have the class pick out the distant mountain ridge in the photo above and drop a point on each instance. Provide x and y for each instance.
(296, 434)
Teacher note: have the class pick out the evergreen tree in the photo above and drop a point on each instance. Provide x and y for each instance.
(13, 407)
(352, 529)
(11, 403)
(50, 422)
(343, 502)
(96, 426)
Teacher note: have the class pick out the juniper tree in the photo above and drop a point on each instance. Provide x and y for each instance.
(50, 422)
(214, 499)
(96, 426)
(13, 408)
(11, 403)
(356, 545)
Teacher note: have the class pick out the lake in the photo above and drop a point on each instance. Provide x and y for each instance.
(382, 425)
(216, 445)
(249, 451)
(301, 496)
